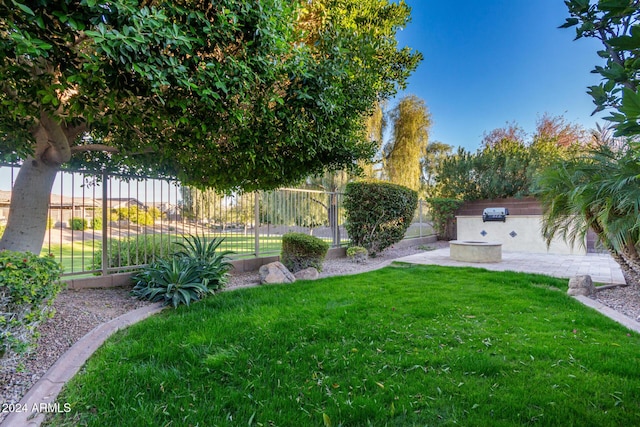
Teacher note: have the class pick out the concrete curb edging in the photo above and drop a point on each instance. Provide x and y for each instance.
(609, 312)
(40, 398)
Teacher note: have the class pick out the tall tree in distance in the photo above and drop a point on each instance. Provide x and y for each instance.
(435, 153)
(511, 132)
(410, 120)
(556, 130)
(375, 126)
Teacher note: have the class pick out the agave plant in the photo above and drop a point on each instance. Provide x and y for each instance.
(214, 265)
(176, 281)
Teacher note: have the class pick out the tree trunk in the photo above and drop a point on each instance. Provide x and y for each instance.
(29, 209)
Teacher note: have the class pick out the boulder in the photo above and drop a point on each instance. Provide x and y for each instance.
(581, 285)
(310, 273)
(275, 272)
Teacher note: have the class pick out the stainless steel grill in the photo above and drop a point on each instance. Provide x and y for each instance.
(495, 214)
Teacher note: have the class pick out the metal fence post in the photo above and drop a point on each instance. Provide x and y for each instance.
(256, 222)
(333, 220)
(105, 217)
(420, 215)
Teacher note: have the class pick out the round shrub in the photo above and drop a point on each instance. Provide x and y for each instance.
(79, 224)
(28, 286)
(357, 254)
(96, 223)
(300, 251)
(378, 213)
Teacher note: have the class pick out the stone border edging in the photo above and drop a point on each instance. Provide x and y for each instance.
(46, 390)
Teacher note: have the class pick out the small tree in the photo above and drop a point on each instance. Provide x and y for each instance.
(443, 216)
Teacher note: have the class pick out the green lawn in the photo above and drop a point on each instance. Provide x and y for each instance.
(74, 257)
(77, 257)
(402, 346)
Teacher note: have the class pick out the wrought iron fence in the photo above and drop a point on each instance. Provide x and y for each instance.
(106, 223)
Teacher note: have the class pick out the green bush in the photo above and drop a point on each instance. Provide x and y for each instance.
(139, 250)
(78, 224)
(357, 254)
(378, 213)
(136, 215)
(2, 227)
(189, 275)
(443, 213)
(28, 286)
(300, 251)
(96, 223)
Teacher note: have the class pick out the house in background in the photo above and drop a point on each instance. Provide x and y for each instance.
(123, 202)
(5, 201)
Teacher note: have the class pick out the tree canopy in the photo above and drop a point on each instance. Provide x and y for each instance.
(616, 24)
(411, 121)
(274, 89)
(232, 94)
(508, 161)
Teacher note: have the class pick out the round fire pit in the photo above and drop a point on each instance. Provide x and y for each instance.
(474, 251)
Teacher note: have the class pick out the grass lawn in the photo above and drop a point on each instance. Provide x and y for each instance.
(402, 346)
(74, 257)
(77, 257)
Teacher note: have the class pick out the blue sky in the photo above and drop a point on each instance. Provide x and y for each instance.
(489, 62)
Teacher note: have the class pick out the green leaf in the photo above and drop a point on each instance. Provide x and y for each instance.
(570, 22)
(630, 103)
(26, 9)
(613, 6)
(625, 42)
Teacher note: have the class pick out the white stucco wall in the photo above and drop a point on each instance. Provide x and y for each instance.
(527, 234)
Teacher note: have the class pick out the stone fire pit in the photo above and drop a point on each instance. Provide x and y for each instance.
(475, 251)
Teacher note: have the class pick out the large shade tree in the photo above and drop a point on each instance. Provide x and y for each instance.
(231, 94)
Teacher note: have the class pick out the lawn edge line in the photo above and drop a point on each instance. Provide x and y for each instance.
(625, 321)
(46, 389)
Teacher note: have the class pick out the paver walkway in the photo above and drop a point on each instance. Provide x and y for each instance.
(601, 267)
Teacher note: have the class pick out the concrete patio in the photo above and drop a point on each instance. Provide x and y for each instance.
(601, 267)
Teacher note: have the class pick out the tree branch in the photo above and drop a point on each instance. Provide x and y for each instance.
(94, 147)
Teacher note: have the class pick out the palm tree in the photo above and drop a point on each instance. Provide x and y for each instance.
(599, 190)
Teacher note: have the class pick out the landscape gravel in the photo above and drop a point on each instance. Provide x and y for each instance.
(78, 312)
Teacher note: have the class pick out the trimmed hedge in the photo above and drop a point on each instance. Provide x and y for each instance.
(378, 213)
(28, 286)
(300, 251)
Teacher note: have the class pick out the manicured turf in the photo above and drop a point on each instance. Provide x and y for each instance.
(77, 257)
(403, 346)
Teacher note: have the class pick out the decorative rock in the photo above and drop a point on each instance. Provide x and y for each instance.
(275, 272)
(309, 273)
(581, 285)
